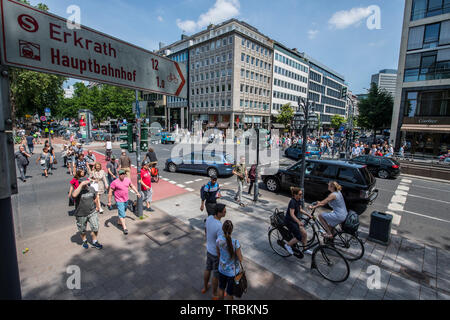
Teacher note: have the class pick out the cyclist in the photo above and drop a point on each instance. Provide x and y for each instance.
(330, 220)
(108, 146)
(294, 224)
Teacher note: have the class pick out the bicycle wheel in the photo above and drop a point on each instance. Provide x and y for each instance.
(330, 263)
(277, 243)
(351, 247)
(310, 232)
(156, 178)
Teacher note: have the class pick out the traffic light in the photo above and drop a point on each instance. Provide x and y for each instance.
(144, 139)
(128, 138)
(344, 93)
(355, 135)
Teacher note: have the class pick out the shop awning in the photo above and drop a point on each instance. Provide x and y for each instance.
(277, 126)
(223, 125)
(211, 125)
(425, 128)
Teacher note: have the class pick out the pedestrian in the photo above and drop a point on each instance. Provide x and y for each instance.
(240, 172)
(125, 163)
(252, 177)
(44, 161)
(70, 155)
(74, 183)
(86, 208)
(120, 187)
(99, 182)
(90, 160)
(22, 162)
(30, 143)
(146, 185)
(78, 149)
(112, 167)
(209, 194)
(213, 231)
(230, 260)
(51, 150)
(108, 146)
(64, 150)
(81, 164)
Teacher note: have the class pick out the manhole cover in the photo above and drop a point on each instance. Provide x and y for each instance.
(166, 234)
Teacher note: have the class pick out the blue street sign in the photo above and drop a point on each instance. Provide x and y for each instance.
(47, 110)
(341, 129)
(124, 121)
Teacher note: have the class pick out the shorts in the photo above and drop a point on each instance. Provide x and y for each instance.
(147, 195)
(332, 218)
(227, 283)
(211, 208)
(83, 221)
(212, 264)
(294, 228)
(122, 209)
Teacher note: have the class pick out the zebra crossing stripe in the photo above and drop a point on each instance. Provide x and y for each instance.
(190, 190)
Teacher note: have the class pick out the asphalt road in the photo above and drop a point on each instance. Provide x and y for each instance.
(421, 207)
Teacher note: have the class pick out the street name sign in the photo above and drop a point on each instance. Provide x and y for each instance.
(41, 41)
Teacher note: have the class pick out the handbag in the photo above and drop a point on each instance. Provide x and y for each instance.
(240, 280)
(71, 202)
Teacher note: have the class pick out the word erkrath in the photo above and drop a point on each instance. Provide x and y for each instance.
(90, 65)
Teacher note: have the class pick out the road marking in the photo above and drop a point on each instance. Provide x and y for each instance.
(406, 180)
(190, 190)
(404, 193)
(403, 187)
(165, 179)
(425, 216)
(189, 182)
(398, 202)
(181, 186)
(226, 183)
(172, 182)
(394, 232)
(198, 180)
(395, 218)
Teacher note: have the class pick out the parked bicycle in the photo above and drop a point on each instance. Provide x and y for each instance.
(329, 261)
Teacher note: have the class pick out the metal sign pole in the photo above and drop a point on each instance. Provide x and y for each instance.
(138, 154)
(9, 269)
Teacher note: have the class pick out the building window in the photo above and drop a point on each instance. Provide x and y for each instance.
(230, 40)
(431, 38)
(229, 87)
(242, 73)
(242, 103)
(243, 57)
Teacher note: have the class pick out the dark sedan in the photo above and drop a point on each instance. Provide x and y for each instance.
(381, 167)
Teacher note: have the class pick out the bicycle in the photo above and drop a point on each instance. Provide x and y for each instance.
(327, 260)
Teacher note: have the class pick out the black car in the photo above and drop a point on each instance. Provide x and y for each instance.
(358, 184)
(381, 167)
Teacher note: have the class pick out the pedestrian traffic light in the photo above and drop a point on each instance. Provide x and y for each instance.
(128, 138)
(144, 139)
(355, 135)
(344, 92)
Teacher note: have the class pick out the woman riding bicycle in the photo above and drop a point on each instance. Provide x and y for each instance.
(293, 223)
(330, 220)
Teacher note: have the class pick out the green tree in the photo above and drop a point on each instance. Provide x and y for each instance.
(375, 112)
(286, 115)
(31, 92)
(337, 121)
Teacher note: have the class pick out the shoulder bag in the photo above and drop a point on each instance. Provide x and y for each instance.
(240, 280)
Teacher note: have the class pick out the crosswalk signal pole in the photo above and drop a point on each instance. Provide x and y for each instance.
(138, 155)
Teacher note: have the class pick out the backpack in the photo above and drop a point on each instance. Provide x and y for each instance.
(351, 223)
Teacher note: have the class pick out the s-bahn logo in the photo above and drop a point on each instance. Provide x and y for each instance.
(28, 23)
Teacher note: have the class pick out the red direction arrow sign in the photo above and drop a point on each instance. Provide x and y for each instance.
(40, 41)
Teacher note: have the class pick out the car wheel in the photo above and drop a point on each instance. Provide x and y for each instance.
(272, 184)
(172, 167)
(383, 174)
(212, 172)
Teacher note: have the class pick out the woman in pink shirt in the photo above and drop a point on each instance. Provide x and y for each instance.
(120, 187)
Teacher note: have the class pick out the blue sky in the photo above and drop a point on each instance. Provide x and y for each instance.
(333, 32)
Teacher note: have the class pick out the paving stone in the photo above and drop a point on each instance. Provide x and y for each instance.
(430, 261)
(443, 284)
(443, 296)
(401, 288)
(427, 293)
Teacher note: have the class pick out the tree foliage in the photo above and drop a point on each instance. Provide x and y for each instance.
(337, 121)
(286, 115)
(31, 92)
(103, 100)
(375, 112)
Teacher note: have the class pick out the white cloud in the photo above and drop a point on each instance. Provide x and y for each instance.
(221, 11)
(344, 19)
(312, 34)
(160, 19)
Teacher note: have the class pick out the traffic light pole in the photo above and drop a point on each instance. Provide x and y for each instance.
(138, 155)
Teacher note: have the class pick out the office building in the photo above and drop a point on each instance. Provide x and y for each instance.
(290, 78)
(386, 79)
(421, 115)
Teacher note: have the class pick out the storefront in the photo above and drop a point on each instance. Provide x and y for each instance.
(427, 136)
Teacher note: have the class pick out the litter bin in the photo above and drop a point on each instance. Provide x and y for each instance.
(380, 227)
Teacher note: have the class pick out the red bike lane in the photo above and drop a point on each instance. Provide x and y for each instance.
(161, 189)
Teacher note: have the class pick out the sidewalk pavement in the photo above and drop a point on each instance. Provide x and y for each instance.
(408, 269)
(161, 258)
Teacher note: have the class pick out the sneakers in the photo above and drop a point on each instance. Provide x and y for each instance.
(101, 210)
(97, 245)
(125, 231)
(309, 251)
(288, 248)
(85, 245)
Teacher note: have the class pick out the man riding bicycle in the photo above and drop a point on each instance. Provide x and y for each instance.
(294, 224)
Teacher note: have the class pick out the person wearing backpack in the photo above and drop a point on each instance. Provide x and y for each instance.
(209, 194)
(252, 177)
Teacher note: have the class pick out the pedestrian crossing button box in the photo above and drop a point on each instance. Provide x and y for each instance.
(380, 227)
